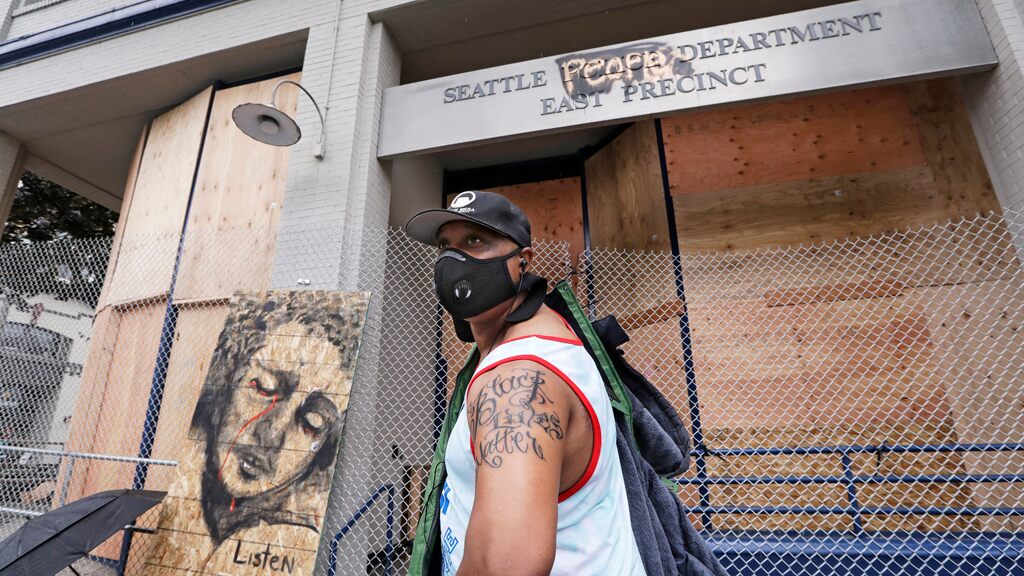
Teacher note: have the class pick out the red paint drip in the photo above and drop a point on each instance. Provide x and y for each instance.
(220, 471)
(232, 507)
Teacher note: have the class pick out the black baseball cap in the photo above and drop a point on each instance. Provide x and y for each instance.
(487, 209)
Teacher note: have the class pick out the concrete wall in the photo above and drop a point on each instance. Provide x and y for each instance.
(416, 184)
(207, 32)
(11, 161)
(335, 198)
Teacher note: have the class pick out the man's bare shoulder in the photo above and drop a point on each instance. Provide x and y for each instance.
(517, 410)
(546, 322)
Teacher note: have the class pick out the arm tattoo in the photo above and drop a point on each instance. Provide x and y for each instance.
(510, 414)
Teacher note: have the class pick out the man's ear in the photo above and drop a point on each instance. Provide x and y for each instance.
(527, 255)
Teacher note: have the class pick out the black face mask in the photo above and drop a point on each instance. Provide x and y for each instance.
(468, 286)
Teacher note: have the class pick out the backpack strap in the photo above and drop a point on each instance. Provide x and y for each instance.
(585, 330)
(425, 549)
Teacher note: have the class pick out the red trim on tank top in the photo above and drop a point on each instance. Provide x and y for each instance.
(573, 341)
(596, 425)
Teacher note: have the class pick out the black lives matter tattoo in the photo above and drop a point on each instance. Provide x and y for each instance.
(509, 416)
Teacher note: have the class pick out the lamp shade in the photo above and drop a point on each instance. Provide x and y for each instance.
(266, 124)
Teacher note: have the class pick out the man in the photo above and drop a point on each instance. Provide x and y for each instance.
(534, 481)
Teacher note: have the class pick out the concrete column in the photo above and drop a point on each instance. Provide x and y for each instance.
(329, 203)
(6, 17)
(12, 158)
(364, 464)
(996, 101)
(330, 235)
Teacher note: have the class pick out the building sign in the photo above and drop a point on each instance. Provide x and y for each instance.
(849, 44)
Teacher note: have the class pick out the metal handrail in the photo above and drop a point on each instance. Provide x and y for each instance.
(332, 565)
(88, 456)
(74, 456)
(20, 512)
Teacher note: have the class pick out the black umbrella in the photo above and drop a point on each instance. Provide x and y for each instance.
(51, 542)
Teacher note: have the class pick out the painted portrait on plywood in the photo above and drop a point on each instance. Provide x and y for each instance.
(264, 436)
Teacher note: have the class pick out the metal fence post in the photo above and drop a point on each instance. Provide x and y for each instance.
(692, 397)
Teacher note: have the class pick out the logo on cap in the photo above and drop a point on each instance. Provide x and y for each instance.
(463, 200)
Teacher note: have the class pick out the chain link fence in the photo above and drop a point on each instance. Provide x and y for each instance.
(856, 406)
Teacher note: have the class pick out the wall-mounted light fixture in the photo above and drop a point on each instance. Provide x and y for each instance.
(268, 124)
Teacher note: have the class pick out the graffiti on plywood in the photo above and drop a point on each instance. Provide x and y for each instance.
(256, 468)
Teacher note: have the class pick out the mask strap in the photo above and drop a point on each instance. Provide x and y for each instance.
(536, 288)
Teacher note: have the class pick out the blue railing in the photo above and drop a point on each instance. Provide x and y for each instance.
(748, 542)
(389, 549)
(854, 508)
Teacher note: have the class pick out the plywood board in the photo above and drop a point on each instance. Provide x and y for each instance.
(122, 219)
(195, 335)
(824, 167)
(809, 211)
(834, 292)
(672, 309)
(947, 138)
(125, 397)
(632, 264)
(826, 372)
(833, 363)
(255, 470)
(656, 351)
(85, 419)
(148, 245)
(554, 208)
(239, 192)
(630, 283)
(857, 131)
(414, 481)
(978, 329)
(111, 407)
(625, 193)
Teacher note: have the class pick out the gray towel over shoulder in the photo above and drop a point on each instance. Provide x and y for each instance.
(658, 446)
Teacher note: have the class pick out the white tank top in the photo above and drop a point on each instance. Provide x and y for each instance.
(594, 535)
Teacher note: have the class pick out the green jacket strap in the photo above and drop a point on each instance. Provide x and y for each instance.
(616, 389)
(428, 530)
